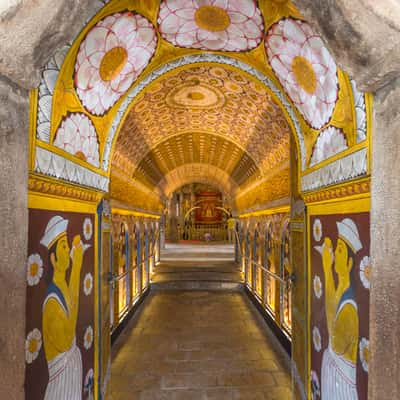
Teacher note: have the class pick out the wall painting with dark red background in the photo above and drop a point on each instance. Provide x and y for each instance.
(322, 226)
(38, 270)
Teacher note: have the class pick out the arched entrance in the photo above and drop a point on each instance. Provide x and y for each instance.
(56, 166)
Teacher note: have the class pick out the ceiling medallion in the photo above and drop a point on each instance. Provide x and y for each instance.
(195, 95)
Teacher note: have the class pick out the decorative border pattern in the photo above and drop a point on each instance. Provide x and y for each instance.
(194, 59)
(43, 185)
(346, 190)
(52, 164)
(361, 113)
(348, 167)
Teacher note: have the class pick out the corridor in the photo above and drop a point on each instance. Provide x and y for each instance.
(198, 345)
(195, 189)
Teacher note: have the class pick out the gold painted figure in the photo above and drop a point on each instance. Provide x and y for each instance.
(60, 313)
(338, 375)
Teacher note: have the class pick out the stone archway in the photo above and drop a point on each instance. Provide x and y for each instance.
(370, 57)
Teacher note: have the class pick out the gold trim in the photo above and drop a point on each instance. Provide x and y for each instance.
(44, 186)
(33, 103)
(352, 190)
(70, 157)
(369, 108)
(123, 211)
(269, 211)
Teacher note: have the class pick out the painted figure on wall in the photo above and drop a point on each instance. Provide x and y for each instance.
(338, 373)
(60, 312)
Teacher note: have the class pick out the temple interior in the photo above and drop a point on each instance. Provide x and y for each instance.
(200, 194)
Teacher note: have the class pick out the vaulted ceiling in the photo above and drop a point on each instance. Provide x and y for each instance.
(208, 114)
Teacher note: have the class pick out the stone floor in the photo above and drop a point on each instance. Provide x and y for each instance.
(193, 345)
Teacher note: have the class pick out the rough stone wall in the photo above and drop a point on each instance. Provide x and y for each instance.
(385, 221)
(31, 31)
(14, 118)
(363, 36)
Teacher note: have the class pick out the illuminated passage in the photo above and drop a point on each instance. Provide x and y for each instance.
(198, 345)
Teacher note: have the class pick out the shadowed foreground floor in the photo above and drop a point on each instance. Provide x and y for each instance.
(198, 345)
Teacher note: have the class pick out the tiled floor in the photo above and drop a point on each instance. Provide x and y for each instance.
(198, 345)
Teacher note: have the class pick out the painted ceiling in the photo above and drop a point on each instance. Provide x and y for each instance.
(153, 87)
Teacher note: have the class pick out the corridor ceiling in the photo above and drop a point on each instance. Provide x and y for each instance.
(207, 114)
(156, 94)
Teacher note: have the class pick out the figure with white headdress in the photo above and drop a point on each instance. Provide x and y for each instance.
(338, 375)
(60, 313)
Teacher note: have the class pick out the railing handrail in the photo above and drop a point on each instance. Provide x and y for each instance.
(118, 277)
(275, 276)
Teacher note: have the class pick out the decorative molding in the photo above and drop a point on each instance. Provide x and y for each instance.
(49, 186)
(194, 59)
(52, 164)
(46, 91)
(338, 192)
(349, 167)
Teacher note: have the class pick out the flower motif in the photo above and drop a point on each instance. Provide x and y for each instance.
(87, 229)
(78, 136)
(365, 271)
(317, 230)
(110, 59)
(88, 338)
(315, 387)
(34, 270)
(88, 284)
(33, 344)
(330, 141)
(317, 339)
(229, 25)
(364, 353)
(317, 287)
(305, 69)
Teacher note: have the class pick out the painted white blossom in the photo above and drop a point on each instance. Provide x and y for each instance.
(111, 57)
(226, 25)
(305, 69)
(87, 228)
(34, 270)
(365, 271)
(77, 136)
(88, 284)
(317, 286)
(317, 230)
(88, 338)
(33, 344)
(364, 353)
(330, 142)
(317, 339)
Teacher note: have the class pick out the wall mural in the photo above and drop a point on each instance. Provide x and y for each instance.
(60, 306)
(208, 213)
(339, 306)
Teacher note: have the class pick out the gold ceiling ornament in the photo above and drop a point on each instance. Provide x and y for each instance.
(304, 74)
(195, 95)
(212, 18)
(113, 63)
(246, 117)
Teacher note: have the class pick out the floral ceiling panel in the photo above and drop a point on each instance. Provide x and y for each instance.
(227, 25)
(110, 59)
(249, 71)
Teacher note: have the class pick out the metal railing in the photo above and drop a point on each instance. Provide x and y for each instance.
(289, 280)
